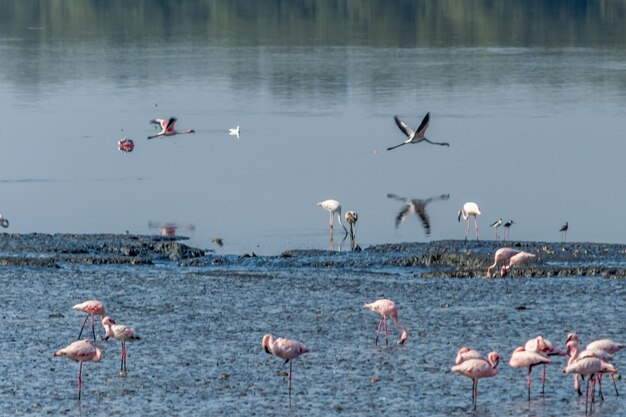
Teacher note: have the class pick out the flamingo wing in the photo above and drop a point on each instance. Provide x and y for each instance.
(421, 130)
(402, 215)
(404, 127)
(170, 124)
(420, 210)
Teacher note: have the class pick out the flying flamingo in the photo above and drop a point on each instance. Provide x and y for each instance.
(527, 359)
(92, 308)
(465, 354)
(387, 308)
(417, 206)
(502, 254)
(121, 333)
(469, 209)
(285, 349)
(167, 128)
(545, 347)
(80, 351)
(517, 259)
(333, 206)
(496, 226)
(476, 369)
(563, 231)
(234, 132)
(507, 229)
(415, 136)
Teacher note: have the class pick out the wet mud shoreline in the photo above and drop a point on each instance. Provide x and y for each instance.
(445, 258)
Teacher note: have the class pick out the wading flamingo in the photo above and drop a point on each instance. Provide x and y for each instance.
(285, 349)
(502, 254)
(605, 349)
(415, 136)
(507, 229)
(469, 209)
(80, 351)
(496, 226)
(351, 219)
(417, 206)
(563, 231)
(476, 369)
(333, 206)
(527, 359)
(517, 259)
(122, 334)
(387, 308)
(167, 128)
(92, 308)
(545, 347)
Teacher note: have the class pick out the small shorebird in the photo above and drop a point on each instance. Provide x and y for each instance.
(417, 206)
(234, 132)
(563, 231)
(351, 219)
(415, 136)
(387, 308)
(122, 334)
(92, 308)
(80, 351)
(476, 369)
(496, 226)
(507, 229)
(4, 222)
(502, 254)
(469, 209)
(333, 206)
(516, 259)
(285, 349)
(167, 128)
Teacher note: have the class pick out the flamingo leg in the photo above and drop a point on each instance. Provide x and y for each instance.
(386, 332)
(528, 381)
(380, 323)
(124, 347)
(543, 380)
(475, 226)
(600, 387)
(93, 328)
(289, 379)
(475, 392)
(82, 327)
(614, 384)
(467, 228)
(80, 378)
(587, 395)
(332, 219)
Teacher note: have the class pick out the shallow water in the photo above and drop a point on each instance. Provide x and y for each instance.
(200, 350)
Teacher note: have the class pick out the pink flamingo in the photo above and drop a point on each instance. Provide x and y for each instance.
(469, 209)
(545, 347)
(92, 308)
(285, 349)
(476, 369)
(465, 354)
(502, 254)
(80, 351)
(167, 128)
(387, 308)
(522, 358)
(517, 259)
(121, 333)
(605, 349)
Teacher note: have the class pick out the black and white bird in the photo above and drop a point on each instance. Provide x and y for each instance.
(417, 206)
(496, 225)
(507, 229)
(351, 219)
(416, 136)
(564, 232)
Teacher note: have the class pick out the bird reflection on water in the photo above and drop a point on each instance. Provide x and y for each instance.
(417, 206)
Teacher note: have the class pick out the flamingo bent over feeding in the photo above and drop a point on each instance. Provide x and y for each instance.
(387, 308)
(92, 308)
(502, 254)
(121, 333)
(333, 206)
(351, 219)
(469, 209)
(415, 136)
(285, 349)
(167, 128)
(604, 349)
(476, 369)
(80, 351)
(517, 259)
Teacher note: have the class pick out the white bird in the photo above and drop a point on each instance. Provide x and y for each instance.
(333, 206)
(415, 136)
(469, 209)
(167, 128)
(234, 132)
(119, 332)
(496, 226)
(417, 206)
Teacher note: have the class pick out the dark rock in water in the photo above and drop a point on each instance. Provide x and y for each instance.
(56, 316)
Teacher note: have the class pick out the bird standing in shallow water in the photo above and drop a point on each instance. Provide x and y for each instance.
(496, 226)
(167, 128)
(521, 358)
(387, 308)
(507, 229)
(92, 308)
(121, 333)
(415, 136)
(469, 209)
(563, 231)
(333, 206)
(476, 369)
(80, 351)
(285, 349)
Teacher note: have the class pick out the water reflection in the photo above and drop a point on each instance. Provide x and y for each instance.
(418, 207)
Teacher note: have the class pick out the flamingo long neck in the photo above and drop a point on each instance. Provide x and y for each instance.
(339, 219)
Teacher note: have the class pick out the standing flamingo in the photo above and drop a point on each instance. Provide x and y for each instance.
(545, 347)
(415, 136)
(167, 128)
(502, 254)
(92, 308)
(469, 209)
(604, 349)
(476, 369)
(387, 308)
(527, 359)
(119, 332)
(80, 351)
(586, 366)
(333, 206)
(563, 231)
(496, 225)
(507, 229)
(285, 349)
(516, 259)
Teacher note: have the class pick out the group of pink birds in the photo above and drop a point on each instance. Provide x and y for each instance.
(86, 351)
(591, 363)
